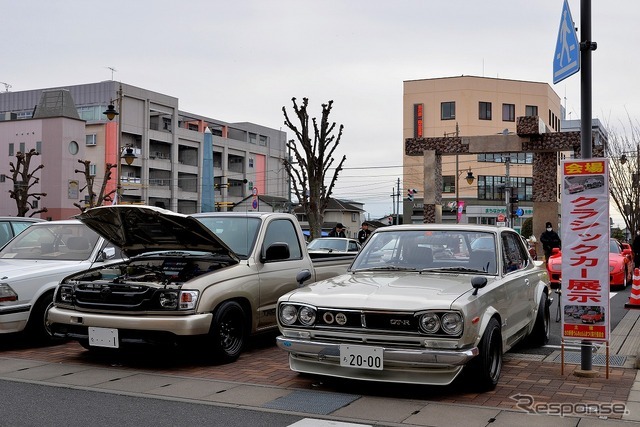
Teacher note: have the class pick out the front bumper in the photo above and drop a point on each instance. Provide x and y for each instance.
(74, 324)
(415, 366)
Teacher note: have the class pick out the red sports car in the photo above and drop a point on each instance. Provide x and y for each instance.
(591, 316)
(620, 266)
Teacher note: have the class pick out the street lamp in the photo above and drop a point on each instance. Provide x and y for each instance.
(470, 178)
(125, 153)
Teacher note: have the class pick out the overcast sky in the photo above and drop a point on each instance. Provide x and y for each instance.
(243, 60)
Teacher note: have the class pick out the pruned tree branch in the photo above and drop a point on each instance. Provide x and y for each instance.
(313, 156)
(23, 181)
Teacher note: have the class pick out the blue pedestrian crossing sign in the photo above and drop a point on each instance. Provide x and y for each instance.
(566, 59)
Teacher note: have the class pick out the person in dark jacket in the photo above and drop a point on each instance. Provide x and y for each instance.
(337, 231)
(549, 240)
(364, 233)
(636, 249)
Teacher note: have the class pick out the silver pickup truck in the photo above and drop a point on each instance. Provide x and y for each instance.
(212, 278)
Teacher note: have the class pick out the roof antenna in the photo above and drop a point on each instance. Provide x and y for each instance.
(112, 71)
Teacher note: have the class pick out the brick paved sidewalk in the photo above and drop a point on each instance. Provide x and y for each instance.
(265, 364)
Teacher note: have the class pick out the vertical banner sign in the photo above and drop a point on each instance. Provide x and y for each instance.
(585, 250)
(418, 111)
(460, 209)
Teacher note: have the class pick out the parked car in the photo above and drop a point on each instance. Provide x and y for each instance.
(620, 266)
(324, 246)
(211, 279)
(591, 316)
(403, 315)
(575, 188)
(593, 183)
(32, 264)
(12, 225)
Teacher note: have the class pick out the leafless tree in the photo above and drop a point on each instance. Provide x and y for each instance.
(23, 181)
(624, 170)
(94, 200)
(312, 160)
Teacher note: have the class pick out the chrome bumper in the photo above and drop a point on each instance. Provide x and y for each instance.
(419, 358)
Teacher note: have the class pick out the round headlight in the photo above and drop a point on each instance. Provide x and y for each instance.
(307, 316)
(452, 323)
(288, 314)
(429, 323)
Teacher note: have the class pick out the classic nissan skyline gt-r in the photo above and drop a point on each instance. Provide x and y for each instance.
(418, 304)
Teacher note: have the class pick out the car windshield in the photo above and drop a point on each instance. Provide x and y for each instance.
(328, 244)
(67, 242)
(239, 233)
(429, 250)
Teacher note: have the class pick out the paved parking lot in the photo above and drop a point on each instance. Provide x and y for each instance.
(264, 364)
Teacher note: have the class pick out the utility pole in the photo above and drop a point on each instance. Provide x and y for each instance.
(507, 190)
(393, 204)
(398, 202)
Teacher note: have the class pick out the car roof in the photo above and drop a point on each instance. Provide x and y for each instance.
(21, 218)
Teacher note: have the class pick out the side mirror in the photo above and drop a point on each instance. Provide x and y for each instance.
(276, 252)
(108, 253)
(478, 282)
(303, 276)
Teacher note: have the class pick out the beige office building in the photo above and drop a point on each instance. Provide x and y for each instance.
(474, 106)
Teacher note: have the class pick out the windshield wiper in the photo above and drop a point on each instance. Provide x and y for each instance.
(387, 268)
(460, 269)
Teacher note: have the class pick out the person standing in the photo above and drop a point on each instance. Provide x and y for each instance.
(549, 239)
(337, 231)
(636, 250)
(364, 233)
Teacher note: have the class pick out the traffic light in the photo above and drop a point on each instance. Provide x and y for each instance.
(410, 193)
(513, 204)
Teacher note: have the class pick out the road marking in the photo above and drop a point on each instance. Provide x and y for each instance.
(315, 422)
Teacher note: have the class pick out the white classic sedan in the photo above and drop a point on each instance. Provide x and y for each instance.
(418, 304)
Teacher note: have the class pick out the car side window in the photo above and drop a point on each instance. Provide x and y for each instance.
(283, 231)
(513, 254)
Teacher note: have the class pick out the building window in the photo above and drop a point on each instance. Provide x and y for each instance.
(250, 163)
(263, 140)
(508, 113)
(166, 124)
(519, 158)
(449, 184)
(492, 187)
(448, 110)
(418, 116)
(90, 139)
(531, 110)
(253, 138)
(92, 170)
(484, 111)
(11, 149)
(39, 146)
(22, 147)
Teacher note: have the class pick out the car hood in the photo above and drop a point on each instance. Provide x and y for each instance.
(140, 229)
(408, 291)
(15, 269)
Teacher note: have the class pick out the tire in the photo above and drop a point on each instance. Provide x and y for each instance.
(37, 329)
(542, 328)
(486, 367)
(228, 332)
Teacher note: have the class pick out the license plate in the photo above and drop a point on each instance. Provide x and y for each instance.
(360, 356)
(103, 337)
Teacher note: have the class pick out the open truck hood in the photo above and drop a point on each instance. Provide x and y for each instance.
(139, 229)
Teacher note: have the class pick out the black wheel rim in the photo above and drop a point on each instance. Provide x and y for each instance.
(231, 333)
(495, 357)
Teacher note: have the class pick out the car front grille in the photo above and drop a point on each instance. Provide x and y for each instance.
(389, 322)
(113, 296)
